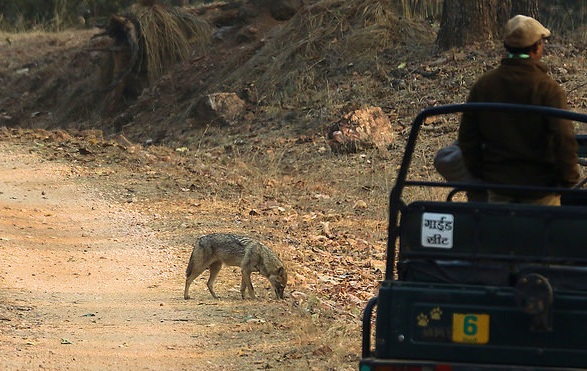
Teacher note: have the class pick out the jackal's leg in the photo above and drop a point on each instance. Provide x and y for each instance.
(214, 269)
(189, 279)
(247, 284)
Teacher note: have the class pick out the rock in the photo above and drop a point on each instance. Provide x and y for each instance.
(224, 108)
(360, 130)
(361, 205)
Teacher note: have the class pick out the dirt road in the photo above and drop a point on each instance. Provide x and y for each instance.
(87, 284)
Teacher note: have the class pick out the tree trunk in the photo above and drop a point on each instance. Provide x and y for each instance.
(468, 21)
(525, 7)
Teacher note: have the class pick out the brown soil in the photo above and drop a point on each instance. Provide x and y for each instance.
(93, 279)
(96, 226)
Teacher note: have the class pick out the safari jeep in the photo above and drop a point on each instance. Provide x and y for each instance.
(474, 285)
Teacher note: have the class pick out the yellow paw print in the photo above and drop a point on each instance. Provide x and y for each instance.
(436, 314)
(423, 320)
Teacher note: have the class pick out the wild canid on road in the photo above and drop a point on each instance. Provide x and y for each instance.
(213, 250)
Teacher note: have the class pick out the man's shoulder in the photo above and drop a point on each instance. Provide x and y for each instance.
(549, 86)
(532, 72)
(486, 79)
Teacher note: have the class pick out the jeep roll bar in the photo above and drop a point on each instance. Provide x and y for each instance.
(396, 203)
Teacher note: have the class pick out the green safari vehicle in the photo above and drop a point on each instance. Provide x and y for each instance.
(476, 285)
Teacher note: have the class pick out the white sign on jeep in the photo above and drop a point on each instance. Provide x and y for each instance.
(437, 230)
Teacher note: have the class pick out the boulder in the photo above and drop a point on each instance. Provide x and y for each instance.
(360, 130)
(223, 108)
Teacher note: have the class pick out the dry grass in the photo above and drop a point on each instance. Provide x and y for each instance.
(331, 38)
(422, 8)
(170, 35)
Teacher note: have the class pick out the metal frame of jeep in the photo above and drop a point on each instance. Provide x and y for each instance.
(482, 286)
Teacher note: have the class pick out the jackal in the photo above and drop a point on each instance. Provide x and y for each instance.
(213, 250)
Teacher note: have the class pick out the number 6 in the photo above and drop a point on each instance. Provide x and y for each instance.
(470, 325)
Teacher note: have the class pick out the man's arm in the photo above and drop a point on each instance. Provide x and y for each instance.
(565, 152)
(565, 145)
(469, 138)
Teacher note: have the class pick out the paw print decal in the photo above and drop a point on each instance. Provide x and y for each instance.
(436, 314)
(422, 320)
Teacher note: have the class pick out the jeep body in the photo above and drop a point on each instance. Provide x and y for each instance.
(477, 285)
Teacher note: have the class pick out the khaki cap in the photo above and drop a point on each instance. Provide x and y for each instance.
(522, 31)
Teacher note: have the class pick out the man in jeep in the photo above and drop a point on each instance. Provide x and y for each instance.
(518, 149)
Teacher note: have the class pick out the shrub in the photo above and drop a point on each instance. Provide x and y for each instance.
(55, 15)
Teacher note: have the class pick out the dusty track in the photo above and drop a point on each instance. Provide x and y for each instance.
(86, 284)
